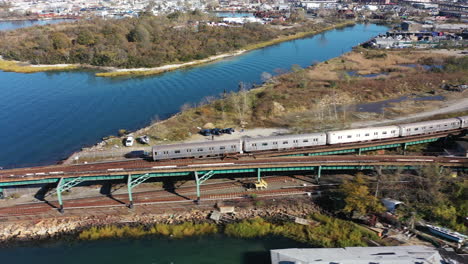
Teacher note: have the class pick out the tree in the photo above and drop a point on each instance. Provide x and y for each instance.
(358, 199)
(60, 40)
(86, 37)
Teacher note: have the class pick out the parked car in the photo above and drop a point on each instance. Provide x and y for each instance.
(129, 141)
(136, 154)
(206, 132)
(229, 130)
(144, 140)
(216, 131)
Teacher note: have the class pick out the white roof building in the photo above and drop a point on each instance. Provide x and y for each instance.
(357, 255)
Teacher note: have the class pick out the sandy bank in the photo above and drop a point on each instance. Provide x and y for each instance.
(114, 72)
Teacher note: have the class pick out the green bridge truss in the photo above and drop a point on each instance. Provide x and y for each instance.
(133, 180)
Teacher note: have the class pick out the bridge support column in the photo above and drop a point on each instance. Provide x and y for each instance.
(359, 151)
(404, 148)
(63, 185)
(199, 180)
(129, 190)
(1, 194)
(132, 182)
(259, 174)
(319, 174)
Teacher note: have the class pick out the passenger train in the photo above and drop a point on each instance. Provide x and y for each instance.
(252, 145)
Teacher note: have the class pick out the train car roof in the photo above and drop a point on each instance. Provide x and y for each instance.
(284, 137)
(211, 143)
(363, 129)
(430, 122)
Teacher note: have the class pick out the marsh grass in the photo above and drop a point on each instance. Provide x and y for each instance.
(177, 231)
(12, 66)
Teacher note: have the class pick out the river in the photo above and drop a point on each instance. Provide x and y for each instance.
(44, 117)
(151, 250)
(10, 25)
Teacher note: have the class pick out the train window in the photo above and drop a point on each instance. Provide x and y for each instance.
(384, 133)
(233, 146)
(315, 139)
(200, 149)
(416, 129)
(367, 134)
(176, 151)
(264, 144)
(445, 124)
(349, 136)
(305, 140)
(358, 135)
(166, 152)
(430, 127)
(294, 141)
(254, 145)
(376, 133)
(275, 143)
(340, 137)
(189, 150)
(285, 142)
(211, 148)
(221, 148)
(155, 153)
(393, 131)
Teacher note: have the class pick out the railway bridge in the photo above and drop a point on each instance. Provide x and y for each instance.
(136, 172)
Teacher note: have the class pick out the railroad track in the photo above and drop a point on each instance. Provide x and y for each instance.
(89, 203)
(132, 168)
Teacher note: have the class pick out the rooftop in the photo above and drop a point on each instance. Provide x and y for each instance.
(357, 255)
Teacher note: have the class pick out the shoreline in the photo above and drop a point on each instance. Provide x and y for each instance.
(25, 67)
(58, 227)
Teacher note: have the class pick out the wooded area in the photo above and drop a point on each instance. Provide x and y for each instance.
(147, 41)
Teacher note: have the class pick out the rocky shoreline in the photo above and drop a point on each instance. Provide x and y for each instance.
(60, 227)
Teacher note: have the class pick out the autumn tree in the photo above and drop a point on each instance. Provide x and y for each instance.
(357, 197)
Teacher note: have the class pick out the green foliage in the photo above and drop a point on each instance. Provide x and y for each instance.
(358, 199)
(147, 41)
(86, 37)
(176, 231)
(60, 40)
(331, 232)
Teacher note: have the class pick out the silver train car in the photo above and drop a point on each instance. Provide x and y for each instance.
(427, 127)
(224, 147)
(284, 142)
(197, 149)
(464, 121)
(362, 134)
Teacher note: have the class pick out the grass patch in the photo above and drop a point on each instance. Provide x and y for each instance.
(331, 232)
(13, 66)
(176, 231)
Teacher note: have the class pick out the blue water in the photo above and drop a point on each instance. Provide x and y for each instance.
(152, 250)
(9, 25)
(44, 117)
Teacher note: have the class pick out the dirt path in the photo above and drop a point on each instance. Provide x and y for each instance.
(450, 106)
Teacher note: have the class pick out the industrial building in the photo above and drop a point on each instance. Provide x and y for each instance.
(358, 255)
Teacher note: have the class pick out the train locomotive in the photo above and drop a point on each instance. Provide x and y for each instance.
(252, 145)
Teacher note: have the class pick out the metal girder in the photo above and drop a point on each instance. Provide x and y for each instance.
(132, 183)
(66, 184)
(319, 173)
(200, 180)
(259, 174)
